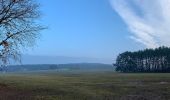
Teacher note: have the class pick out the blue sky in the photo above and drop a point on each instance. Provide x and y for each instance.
(83, 28)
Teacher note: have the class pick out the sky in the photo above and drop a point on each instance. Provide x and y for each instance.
(147, 20)
(102, 28)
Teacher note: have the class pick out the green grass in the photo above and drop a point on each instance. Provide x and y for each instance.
(84, 86)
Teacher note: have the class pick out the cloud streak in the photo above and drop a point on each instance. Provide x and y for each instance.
(147, 20)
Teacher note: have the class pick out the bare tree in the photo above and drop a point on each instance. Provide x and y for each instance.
(18, 27)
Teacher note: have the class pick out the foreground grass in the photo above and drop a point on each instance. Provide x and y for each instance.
(84, 86)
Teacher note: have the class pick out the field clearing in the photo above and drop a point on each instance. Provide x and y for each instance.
(84, 86)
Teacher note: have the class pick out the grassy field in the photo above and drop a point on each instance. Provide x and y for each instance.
(84, 86)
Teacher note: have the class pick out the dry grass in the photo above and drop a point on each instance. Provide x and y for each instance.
(84, 86)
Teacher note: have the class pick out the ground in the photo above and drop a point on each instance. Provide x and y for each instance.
(84, 86)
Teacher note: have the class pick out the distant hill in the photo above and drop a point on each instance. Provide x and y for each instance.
(35, 59)
(60, 67)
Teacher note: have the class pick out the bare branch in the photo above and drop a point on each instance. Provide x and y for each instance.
(18, 27)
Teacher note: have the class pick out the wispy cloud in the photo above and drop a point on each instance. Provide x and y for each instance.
(147, 20)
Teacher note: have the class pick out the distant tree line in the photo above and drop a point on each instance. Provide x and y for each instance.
(148, 60)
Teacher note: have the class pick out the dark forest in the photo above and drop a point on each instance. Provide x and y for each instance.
(148, 60)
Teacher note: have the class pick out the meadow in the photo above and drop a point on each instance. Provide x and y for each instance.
(69, 85)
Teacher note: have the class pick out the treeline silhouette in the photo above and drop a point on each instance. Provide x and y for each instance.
(148, 60)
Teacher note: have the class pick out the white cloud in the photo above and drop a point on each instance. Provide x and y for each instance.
(147, 20)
